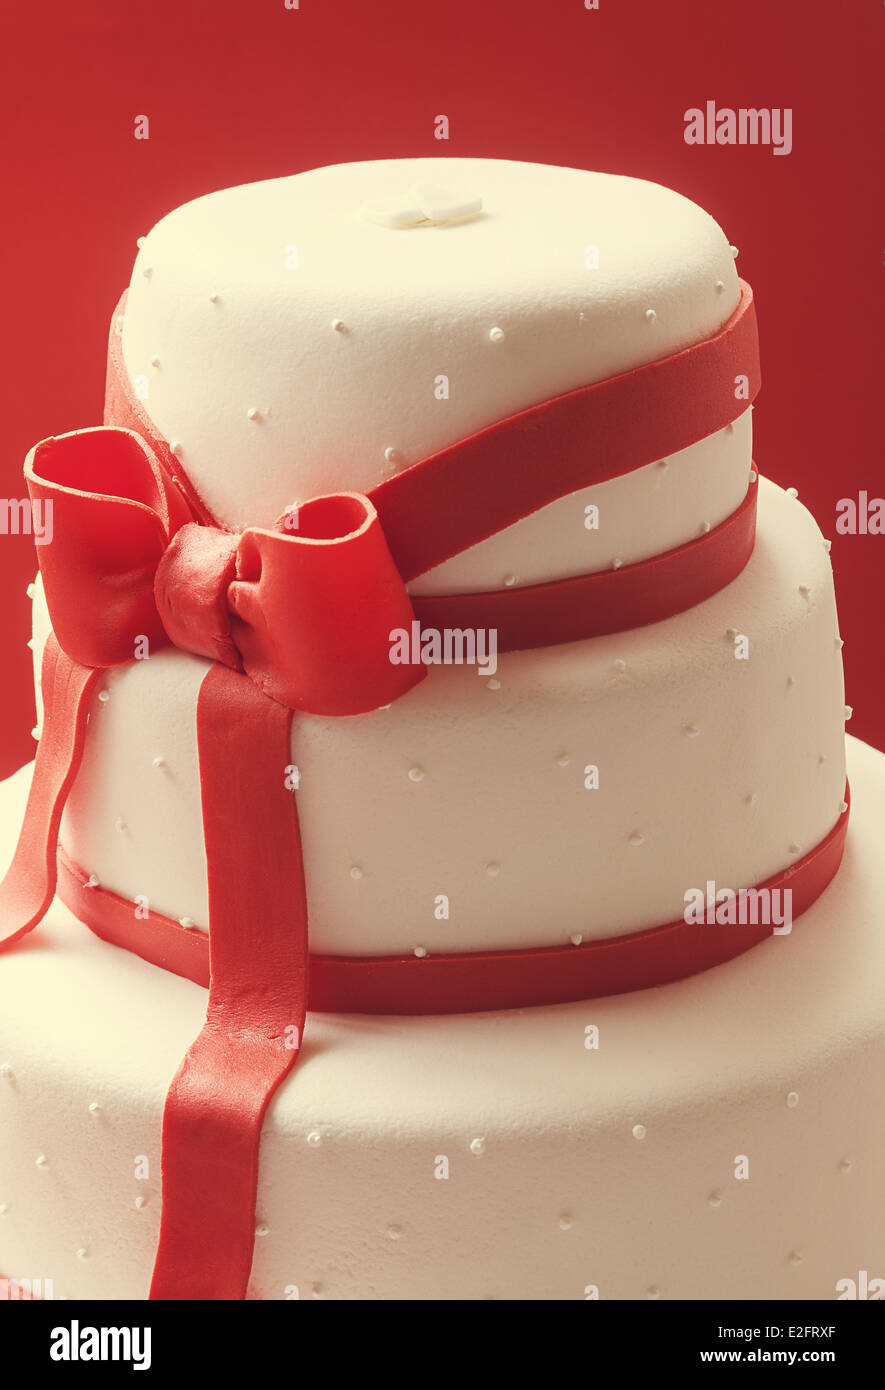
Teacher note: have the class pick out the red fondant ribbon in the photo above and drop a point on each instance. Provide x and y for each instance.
(475, 488)
(304, 618)
(475, 981)
(257, 977)
(29, 885)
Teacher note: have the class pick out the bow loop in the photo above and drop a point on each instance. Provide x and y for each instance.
(313, 609)
(114, 515)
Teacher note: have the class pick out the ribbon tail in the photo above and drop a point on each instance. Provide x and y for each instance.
(29, 886)
(257, 994)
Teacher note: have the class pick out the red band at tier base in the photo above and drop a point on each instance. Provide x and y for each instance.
(474, 982)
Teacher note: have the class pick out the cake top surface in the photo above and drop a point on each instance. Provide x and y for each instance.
(323, 330)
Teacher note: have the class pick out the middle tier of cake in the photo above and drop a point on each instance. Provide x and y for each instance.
(578, 790)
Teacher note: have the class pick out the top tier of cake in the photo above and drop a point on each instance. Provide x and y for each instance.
(290, 340)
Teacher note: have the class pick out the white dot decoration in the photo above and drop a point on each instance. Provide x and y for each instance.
(92, 881)
(338, 325)
(176, 448)
(104, 696)
(416, 774)
(714, 1199)
(650, 315)
(493, 684)
(793, 1099)
(35, 733)
(392, 455)
(140, 241)
(4, 1208)
(155, 361)
(720, 286)
(119, 324)
(509, 581)
(566, 1221)
(576, 939)
(187, 922)
(636, 838)
(843, 807)
(394, 1233)
(30, 591)
(41, 1161)
(420, 952)
(6, 1072)
(828, 545)
(620, 666)
(253, 413)
(94, 1109)
(213, 299)
(148, 272)
(477, 1146)
(261, 1229)
(792, 492)
(729, 428)
(705, 527)
(140, 1203)
(82, 1253)
(120, 826)
(496, 335)
(355, 871)
(849, 711)
(639, 1131)
(314, 1139)
(734, 251)
(493, 869)
(753, 475)
(158, 763)
(617, 562)
(562, 760)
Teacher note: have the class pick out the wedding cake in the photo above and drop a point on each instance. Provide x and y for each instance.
(423, 666)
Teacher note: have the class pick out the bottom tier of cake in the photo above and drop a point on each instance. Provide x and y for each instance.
(720, 1138)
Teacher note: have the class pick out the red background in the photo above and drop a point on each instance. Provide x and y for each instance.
(238, 91)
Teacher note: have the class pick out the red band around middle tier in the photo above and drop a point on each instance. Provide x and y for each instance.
(478, 981)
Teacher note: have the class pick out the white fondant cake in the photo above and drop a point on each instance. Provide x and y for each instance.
(721, 1137)
(289, 346)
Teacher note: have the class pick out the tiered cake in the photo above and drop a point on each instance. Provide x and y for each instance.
(527, 392)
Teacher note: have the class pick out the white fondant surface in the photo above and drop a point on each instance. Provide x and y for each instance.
(560, 1195)
(724, 769)
(291, 346)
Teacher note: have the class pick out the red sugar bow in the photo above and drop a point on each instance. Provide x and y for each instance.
(306, 614)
